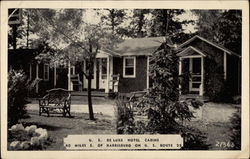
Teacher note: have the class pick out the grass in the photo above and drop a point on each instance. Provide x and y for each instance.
(214, 122)
(59, 127)
(216, 132)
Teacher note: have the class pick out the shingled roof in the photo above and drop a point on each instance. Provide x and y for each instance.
(209, 42)
(137, 46)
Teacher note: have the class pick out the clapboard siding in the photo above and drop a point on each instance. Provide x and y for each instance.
(138, 83)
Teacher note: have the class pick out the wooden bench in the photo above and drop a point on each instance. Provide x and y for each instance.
(57, 101)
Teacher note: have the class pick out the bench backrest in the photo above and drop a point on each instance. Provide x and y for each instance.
(58, 95)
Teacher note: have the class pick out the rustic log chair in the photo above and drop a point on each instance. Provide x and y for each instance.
(136, 96)
(76, 82)
(57, 101)
(133, 99)
(115, 82)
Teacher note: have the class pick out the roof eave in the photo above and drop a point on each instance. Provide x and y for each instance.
(191, 48)
(211, 43)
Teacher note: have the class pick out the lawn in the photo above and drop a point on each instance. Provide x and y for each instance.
(59, 127)
(215, 123)
(213, 120)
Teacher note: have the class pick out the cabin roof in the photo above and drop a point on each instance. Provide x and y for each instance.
(189, 51)
(209, 42)
(137, 46)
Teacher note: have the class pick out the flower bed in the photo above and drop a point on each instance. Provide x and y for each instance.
(28, 138)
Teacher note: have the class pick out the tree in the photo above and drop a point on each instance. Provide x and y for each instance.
(18, 33)
(206, 24)
(166, 22)
(73, 39)
(95, 38)
(221, 26)
(163, 96)
(138, 23)
(229, 30)
(113, 19)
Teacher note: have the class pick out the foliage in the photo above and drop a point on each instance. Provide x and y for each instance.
(206, 24)
(72, 39)
(114, 19)
(236, 130)
(166, 22)
(229, 30)
(139, 23)
(125, 119)
(163, 96)
(124, 116)
(217, 88)
(21, 33)
(165, 113)
(28, 138)
(194, 139)
(221, 26)
(17, 95)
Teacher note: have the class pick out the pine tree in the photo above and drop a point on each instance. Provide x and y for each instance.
(163, 97)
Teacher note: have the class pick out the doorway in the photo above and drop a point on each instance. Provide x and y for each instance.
(195, 72)
(103, 73)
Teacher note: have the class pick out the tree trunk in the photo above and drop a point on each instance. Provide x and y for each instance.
(140, 25)
(91, 114)
(112, 13)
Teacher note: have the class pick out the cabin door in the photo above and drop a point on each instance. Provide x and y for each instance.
(195, 72)
(102, 73)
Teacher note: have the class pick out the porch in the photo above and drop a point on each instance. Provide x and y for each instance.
(104, 82)
(191, 66)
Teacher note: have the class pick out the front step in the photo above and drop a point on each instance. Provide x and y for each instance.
(203, 99)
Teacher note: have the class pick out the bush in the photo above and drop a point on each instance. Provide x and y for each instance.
(17, 96)
(125, 118)
(217, 89)
(194, 139)
(28, 138)
(165, 112)
(236, 130)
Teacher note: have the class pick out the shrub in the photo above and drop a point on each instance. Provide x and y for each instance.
(17, 96)
(217, 89)
(194, 139)
(236, 130)
(165, 112)
(28, 138)
(125, 118)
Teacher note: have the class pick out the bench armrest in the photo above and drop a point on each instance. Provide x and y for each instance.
(67, 101)
(43, 101)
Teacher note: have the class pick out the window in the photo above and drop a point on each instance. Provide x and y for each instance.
(46, 72)
(129, 67)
